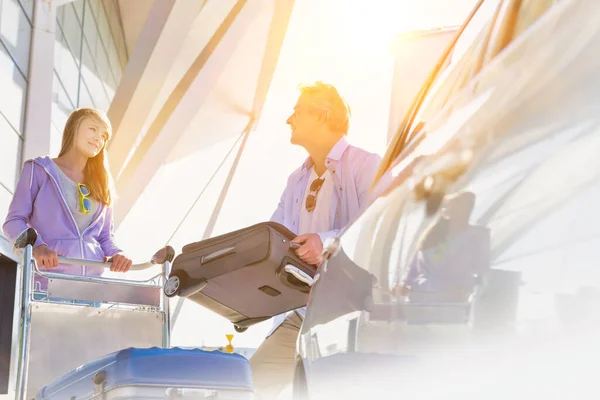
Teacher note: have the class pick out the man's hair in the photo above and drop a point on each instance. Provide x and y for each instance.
(325, 98)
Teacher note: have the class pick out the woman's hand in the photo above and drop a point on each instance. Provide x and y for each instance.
(44, 257)
(120, 263)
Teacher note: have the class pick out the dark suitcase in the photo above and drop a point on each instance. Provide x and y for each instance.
(247, 276)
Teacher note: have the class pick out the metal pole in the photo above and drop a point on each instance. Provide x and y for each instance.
(217, 210)
(25, 324)
(166, 308)
(278, 28)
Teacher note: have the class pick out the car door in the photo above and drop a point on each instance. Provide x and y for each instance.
(341, 299)
(523, 119)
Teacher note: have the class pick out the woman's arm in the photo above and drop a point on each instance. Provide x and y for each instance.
(120, 263)
(107, 237)
(21, 206)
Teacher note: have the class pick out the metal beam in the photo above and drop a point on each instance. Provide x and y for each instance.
(217, 210)
(162, 38)
(278, 29)
(279, 24)
(58, 3)
(179, 110)
(281, 17)
(38, 108)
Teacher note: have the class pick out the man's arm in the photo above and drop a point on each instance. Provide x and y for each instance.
(364, 179)
(329, 235)
(278, 214)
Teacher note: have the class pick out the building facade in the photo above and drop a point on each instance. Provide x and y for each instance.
(54, 57)
(87, 58)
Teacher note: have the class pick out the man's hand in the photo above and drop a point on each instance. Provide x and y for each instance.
(120, 263)
(401, 290)
(312, 248)
(44, 257)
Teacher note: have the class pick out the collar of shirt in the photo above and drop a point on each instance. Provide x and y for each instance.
(335, 154)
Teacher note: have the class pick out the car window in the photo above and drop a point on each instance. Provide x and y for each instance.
(535, 204)
(517, 16)
(495, 24)
(529, 12)
(456, 65)
(519, 223)
(514, 18)
(462, 58)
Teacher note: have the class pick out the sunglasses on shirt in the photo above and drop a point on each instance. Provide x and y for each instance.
(311, 199)
(84, 202)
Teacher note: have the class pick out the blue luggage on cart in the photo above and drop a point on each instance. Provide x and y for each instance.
(157, 373)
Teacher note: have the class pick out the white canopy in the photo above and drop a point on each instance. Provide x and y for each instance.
(200, 143)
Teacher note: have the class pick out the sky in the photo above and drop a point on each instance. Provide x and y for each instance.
(347, 43)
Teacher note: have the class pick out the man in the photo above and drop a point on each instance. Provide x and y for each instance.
(325, 193)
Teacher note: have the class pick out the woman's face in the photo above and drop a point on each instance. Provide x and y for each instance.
(90, 138)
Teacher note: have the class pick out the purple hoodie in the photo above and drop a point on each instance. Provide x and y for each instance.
(39, 203)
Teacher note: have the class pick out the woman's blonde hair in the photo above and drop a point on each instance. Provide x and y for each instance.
(96, 173)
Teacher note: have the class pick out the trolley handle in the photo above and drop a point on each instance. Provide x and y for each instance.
(29, 237)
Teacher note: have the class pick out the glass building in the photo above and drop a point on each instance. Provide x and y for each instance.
(89, 56)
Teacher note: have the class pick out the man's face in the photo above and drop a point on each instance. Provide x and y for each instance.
(304, 122)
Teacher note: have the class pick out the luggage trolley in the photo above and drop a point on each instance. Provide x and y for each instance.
(82, 318)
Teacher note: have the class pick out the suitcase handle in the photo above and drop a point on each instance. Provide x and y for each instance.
(217, 255)
(299, 274)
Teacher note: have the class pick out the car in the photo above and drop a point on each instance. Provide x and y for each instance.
(474, 272)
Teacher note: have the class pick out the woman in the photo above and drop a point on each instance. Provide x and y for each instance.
(68, 200)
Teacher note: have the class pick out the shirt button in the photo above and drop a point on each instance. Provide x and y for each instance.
(296, 201)
(333, 171)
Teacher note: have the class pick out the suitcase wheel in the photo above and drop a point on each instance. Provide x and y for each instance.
(174, 284)
(240, 329)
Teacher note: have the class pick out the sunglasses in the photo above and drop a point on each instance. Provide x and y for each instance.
(84, 202)
(311, 199)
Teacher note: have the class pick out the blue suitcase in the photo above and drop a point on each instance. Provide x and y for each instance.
(156, 373)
